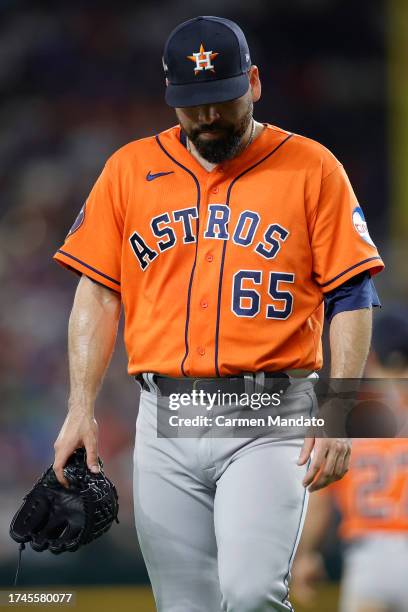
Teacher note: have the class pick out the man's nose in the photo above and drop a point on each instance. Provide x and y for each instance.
(208, 114)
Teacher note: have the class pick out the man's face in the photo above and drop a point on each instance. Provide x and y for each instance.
(216, 130)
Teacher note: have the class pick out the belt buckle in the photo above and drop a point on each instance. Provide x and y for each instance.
(201, 382)
(195, 382)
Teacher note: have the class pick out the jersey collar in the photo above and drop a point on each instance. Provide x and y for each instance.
(174, 141)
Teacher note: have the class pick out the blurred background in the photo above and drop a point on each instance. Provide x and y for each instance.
(80, 79)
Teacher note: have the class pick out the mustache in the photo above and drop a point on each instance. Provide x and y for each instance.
(213, 127)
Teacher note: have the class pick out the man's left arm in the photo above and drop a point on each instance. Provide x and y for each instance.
(350, 337)
(344, 260)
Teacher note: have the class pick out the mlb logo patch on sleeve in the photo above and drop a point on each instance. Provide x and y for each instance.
(78, 221)
(360, 225)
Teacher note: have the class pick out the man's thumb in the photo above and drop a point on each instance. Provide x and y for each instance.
(306, 450)
(92, 460)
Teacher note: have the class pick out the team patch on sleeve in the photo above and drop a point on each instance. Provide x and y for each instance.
(360, 225)
(78, 221)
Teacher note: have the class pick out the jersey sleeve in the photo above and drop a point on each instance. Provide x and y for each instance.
(93, 245)
(356, 293)
(341, 244)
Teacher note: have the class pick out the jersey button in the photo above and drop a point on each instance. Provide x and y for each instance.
(204, 304)
(201, 350)
(210, 258)
(215, 190)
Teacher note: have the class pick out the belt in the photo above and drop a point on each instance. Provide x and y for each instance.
(225, 384)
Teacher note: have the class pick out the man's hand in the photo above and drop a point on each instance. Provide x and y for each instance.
(78, 430)
(330, 461)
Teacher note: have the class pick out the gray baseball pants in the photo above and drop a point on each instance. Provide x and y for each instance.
(218, 519)
(375, 573)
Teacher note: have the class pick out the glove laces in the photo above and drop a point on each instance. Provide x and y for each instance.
(20, 550)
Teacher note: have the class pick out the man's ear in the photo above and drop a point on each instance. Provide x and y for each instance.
(255, 83)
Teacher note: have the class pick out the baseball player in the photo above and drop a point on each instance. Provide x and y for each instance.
(224, 238)
(371, 499)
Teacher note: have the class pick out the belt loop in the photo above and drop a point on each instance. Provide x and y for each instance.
(249, 383)
(148, 377)
(259, 383)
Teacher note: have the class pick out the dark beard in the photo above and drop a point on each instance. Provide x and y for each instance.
(224, 148)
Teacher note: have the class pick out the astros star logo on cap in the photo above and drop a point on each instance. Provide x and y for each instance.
(202, 60)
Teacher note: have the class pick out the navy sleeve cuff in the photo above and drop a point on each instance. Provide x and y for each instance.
(356, 293)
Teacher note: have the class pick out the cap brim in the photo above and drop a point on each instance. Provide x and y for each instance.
(208, 92)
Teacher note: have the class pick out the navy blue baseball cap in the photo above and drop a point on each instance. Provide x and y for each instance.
(206, 60)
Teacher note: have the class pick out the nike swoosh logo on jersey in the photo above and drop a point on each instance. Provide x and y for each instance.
(151, 177)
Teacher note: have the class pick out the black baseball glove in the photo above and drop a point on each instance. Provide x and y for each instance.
(61, 519)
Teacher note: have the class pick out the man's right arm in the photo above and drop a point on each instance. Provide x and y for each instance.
(92, 331)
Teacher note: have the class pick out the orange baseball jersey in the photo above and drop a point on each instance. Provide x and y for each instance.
(373, 496)
(224, 271)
